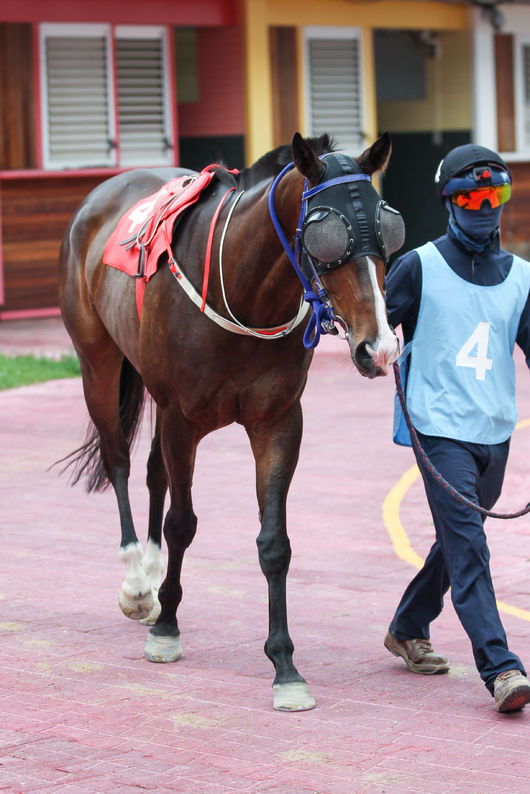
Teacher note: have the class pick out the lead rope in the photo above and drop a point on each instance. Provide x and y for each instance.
(435, 473)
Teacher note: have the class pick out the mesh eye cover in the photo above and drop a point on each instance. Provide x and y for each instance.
(327, 236)
(390, 228)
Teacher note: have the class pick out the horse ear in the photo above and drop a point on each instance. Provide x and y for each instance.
(306, 160)
(376, 157)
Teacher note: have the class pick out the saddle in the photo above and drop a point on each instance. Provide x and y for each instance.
(145, 231)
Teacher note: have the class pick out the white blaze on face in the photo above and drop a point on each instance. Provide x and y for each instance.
(386, 348)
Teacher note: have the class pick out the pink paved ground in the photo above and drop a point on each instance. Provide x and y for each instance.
(81, 710)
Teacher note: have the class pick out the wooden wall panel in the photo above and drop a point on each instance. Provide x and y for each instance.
(18, 147)
(284, 75)
(505, 92)
(34, 217)
(514, 228)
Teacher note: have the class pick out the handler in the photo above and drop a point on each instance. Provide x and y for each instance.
(462, 303)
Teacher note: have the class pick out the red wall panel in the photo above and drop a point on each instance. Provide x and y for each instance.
(220, 109)
(126, 12)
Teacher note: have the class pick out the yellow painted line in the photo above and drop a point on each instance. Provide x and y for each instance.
(400, 539)
(393, 524)
(524, 614)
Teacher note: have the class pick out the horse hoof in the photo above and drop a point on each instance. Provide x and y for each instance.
(150, 620)
(163, 649)
(293, 697)
(135, 607)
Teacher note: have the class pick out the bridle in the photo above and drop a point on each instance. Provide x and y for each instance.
(324, 319)
(355, 223)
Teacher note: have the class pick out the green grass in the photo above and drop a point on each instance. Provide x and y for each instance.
(24, 370)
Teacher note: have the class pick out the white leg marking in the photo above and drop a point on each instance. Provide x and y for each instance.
(136, 598)
(154, 568)
(386, 348)
(153, 563)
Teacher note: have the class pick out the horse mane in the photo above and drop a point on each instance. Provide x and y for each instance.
(274, 161)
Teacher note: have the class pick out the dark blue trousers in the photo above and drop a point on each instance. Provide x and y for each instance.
(459, 557)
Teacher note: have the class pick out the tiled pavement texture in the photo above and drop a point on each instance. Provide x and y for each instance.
(81, 710)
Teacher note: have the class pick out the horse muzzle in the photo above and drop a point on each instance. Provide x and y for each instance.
(375, 360)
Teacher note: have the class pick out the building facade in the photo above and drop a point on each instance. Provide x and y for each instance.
(117, 85)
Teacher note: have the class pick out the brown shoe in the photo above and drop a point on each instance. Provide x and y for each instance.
(511, 691)
(418, 655)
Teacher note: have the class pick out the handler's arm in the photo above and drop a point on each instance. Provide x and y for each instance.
(403, 293)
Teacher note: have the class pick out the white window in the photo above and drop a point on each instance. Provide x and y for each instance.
(85, 124)
(333, 84)
(143, 96)
(76, 93)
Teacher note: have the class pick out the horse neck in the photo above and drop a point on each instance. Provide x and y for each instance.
(261, 274)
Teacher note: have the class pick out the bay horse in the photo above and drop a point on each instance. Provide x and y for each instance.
(200, 375)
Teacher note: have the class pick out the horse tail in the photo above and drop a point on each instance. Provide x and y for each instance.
(86, 462)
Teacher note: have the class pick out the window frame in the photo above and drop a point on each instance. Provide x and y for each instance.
(72, 30)
(154, 32)
(111, 34)
(350, 33)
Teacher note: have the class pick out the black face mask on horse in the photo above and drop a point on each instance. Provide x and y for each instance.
(353, 222)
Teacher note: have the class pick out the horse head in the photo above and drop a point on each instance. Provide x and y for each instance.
(345, 237)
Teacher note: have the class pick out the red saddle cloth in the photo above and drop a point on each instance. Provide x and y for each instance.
(144, 232)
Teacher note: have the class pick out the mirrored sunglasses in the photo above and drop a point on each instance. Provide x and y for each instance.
(472, 199)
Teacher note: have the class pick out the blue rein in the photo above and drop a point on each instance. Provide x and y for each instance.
(322, 319)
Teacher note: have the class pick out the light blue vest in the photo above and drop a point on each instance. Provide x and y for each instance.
(461, 380)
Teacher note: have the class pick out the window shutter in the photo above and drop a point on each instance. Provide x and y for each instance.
(142, 109)
(335, 91)
(76, 101)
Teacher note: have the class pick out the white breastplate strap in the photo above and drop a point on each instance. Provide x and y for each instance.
(275, 332)
(234, 325)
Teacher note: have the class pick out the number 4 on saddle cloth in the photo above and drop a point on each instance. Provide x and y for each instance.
(144, 232)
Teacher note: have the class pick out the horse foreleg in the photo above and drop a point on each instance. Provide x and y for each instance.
(276, 447)
(179, 447)
(157, 484)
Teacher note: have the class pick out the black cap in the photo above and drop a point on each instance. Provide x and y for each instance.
(462, 158)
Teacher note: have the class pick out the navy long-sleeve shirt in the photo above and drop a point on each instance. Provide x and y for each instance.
(487, 268)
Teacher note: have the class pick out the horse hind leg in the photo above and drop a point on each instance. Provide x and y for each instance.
(135, 599)
(114, 396)
(153, 561)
